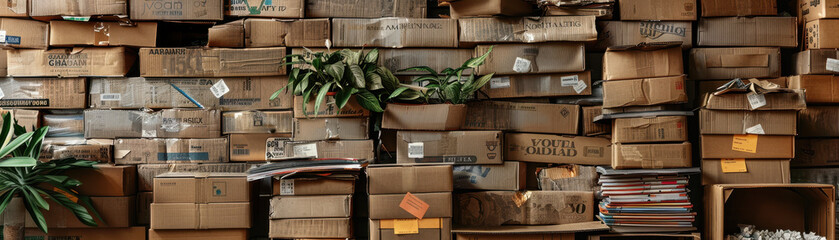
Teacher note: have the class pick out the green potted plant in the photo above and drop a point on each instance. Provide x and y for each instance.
(26, 183)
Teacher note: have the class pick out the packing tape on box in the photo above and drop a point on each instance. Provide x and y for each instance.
(646, 66)
(101, 34)
(738, 60)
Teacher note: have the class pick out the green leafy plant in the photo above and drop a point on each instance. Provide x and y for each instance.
(449, 84)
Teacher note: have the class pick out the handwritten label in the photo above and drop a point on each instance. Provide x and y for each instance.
(521, 65)
(733, 165)
(744, 143)
(414, 205)
(405, 226)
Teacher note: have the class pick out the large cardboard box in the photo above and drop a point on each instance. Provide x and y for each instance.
(634, 63)
(472, 8)
(261, 8)
(257, 147)
(571, 177)
(710, 86)
(171, 150)
(43, 93)
(427, 228)
(315, 129)
(257, 122)
(200, 216)
(646, 130)
(748, 146)
(509, 176)
(774, 101)
(358, 149)
(202, 10)
(213, 62)
(256, 32)
(147, 172)
(435, 58)
(335, 228)
(527, 30)
(727, 171)
(39, 8)
(730, 63)
(748, 32)
(72, 33)
(387, 206)
(106, 180)
(658, 10)
(329, 108)
(815, 61)
(747, 122)
(816, 152)
(201, 188)
(820, 88)
(818, 9)
(323, 206)
(167, 123)
(458, 147)
(313, 186)
(548, 148)
(14, 8)
(91, 152)
(644, 92)
(67, 62)
(370, 9)
(523, 117)
(821, 34)
(815, 175)
(220, 234)
(392, 179)
(496, 208)
(424, 117)
(805, 207)
(117, 212)
(394, 32)
(819, 121)
(671, 236)
(622, 33)
(129, 233)
(651, 156)
(532, 58)
(539, 85)
(22, 33)
(738, 8)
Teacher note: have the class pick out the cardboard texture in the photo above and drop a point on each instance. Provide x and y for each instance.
(623, 33)
(767, 146)
(774, 101)
(325, 206)
(757, 171)
(328, 108)
(255, 32)
(527, 30)
(4, 66)
(147, 172)
(805, 207)
(371, 9)
(67, 62)
(91, 152)
(77, 7)
(472, 8)
(728, 8)
(201, 188)
(214, 62)
(496, 208)
(167, 123)
(312, 186)
(409, 178)
(388, 205)
(547, 148)
(820, 88)
(118, 212)
(539, 85)
(814, 61)
(568, 178)
(746, 122)
(509, 176)
(200, 216)
(815, 175)
(658, 10)
(144, 200)
(338, 228)
(106, 180)
(257, 122)
(220, 234)
(29, 119)
(131, 233)
(748, 32)
(710, 86)
(22, 33)
(427, 228)
(14, 8)
(651, 156)
(257, 147)
(435, 58)
(633, 64)
(813, 10)
(644, 92)
(315, 129)
(177, 10)
(532, 58)
(259, 8)
(43, 93)
(523, 117)
(171, 150)
(821, 34)
(647, 130)
(819, 121)
(71, 33)
(730, 63)
(590, 128)
(358, 149)
(424, 116)
(816, 152)
(458, 147)
(394, 32)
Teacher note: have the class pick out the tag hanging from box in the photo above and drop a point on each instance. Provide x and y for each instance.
(413, 205)
(744, 143)
(733, 165)
(405, 226)
(219, 89)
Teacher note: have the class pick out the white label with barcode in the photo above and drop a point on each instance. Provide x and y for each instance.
(2, 36)
(219, 89)
(416, 150)
(274, 148)
(569, 81)
(287, 187)
(241, 151)
(521, 65)
(499, 82)
(580, 86)
(305, 150)
(756, 100)
(756, 129)
(832, 65)
(110, 97)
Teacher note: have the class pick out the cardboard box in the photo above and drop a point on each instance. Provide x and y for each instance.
(590, 128)
(644, 92)
(39, 8)
(539, 85)
(747, 122)
(259, 8)
(763, 146)
(523, 117)
(709, 86)
(814, 61)
(370, 9)
(220, 234)
(72, 33)
(658, 10)
(200, 187)
(144, 200)
(328, 108)
(67, 62)
(257, 122)
(128, 233)
(568, 178)
(821, 34)
(358, 149)
(200, 216)
(623, 33)
(391, 179)
(28, 119)
(813, 10)
(147, 172)
(43, 93)
(388, 205)
(22, 33)
(671, 236)
(816, 152)
(805, 207)
(106, 180)
(14, 8)
(166, 123)
(651, 156)
(91, 152)
(324, 206)
(748, 32)
(394, 32)
(458, 147)
(647, 130)
(255, 32)
(741, 171)
(820, 88)
(547, 148)
(435, 58)
(118, 212)
(496, 208)
(424, 116)
(214, 62)
(819, 121)
(815, 175)
(774, 101)
(634, 64)
(509, 176)
(315, 129)
(4, 66)
(727, 8)
(177, 10)
(338, 228)
(427, 228)
(730, 63)
(313, 186)
(532, 58)
(257, 147)
(171, 150)
(473, 8)
(527, 30)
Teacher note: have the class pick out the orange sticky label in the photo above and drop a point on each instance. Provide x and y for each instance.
(414, 205)
(71, 197)
(405, 226)
(733, 165)
(744, 143)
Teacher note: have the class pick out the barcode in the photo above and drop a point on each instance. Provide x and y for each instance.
(416, 150)
(241, 151)
(109, 97)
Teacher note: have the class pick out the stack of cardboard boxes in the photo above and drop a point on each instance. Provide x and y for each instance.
(312, 207)
(410, 202)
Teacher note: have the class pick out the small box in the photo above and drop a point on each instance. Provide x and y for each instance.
(644, 92)
(814, 10)
(821, 34)
(520, 58)
(200, 216)
(43, 93)
(336, 228)
(23, 33)
(313, 186)
(200, 10)
(424, 117)
(387, 206)
(523, 117)
(815, 61)
(257, 147)
(730, 63)
(117, 212)
(171, 150)
(742, 171)
(527, 30)
(66, 62)
(508, 207)
(257, 122)
(539, 85)
(427, 228)
(747, 122)
(382, 32)
(213, 62)
(820, 88)
(147, 172)
(548, 148)
(633, 63)
(106, 180)
(748, 32)
(738, 8)
(509, 176)
(323, 206)
(458, 147)
(591, 128)
(748, 146)
(651, 156)
(256, 32)
(658, 10)
(72, 33)
(201, 188)
(43, 8)
(648, 130)
(260, 8)
(315, 129)
(568, 177)
(623, 33)
(390, 179)
(357, 149)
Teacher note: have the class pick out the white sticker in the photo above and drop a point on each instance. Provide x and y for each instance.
(756, 129)
(580, 86)
(274, 148)
(416, 150)
(287, 187)
(832, 65)
(306, 150)
(499, 82)
(2, 94)
(569, 81)
(219, 89)
(109, 97)
(2, 36)
(522, 65)
(756, 100)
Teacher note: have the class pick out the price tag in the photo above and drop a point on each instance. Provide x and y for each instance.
(733, 165)
(756, 100)
(405, 226)
(744, 143)
(756, 129)
(832, 65)
(521, 65)
(416, 150)
(413, 205)
(569, 81)
(219, 89)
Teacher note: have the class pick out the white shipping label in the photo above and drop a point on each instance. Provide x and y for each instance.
(2, 36)
(287, 187)
(274, 148)
(2, 94)
(521, 65)
(416, 150)
(832, 65)
(756, 129)
(569, 81)
(109, 97)
(306, 150)
(756, 100)
(580, 86)
(219, 89)
(499, 82)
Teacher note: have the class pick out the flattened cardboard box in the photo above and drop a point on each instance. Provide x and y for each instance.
(147, 172)
(172, 150)
(820, 88)
(22, 33)
(523, 117)
(387, 205)
(329, 108)
(427, 228)
(214, 62)
(458, 147)
(766, 146)
(255, 32)
(548, 148)
(91, 152)
(370, 9)
(532, 58)
(77, 7)
(337, 228)
(201, 188)
(623, 33)
(118, 212)
(539, 85)
(730, 63)
(816, 152)
(324, 206)
(651, 156)
(257, 147)
(200, 216)
(815, 61)
(106, 180)
(645, 130)
(497, 208)
(177, 10)
(257, 122)
(218, 234)
(72, 33)
(260, 8)
(424, 116)
(167, 123)
(748, 32)
(819, 121)
(15, 8)
(314, 129)
(312, 186)
(590, 128)
(527, 30)
(747, 122)
(509, 176)
(818, 9)
(715, 171)
(633, 64)
(67, 62)
(821, 34)
(644, 92)
(393, 179)
(359, 149)
(658, 10)
(43, 93)
(394, 32)
(728, 8)
(472, 8)
(132, 233)
(774, 101)
(568, 178)
(435, 58)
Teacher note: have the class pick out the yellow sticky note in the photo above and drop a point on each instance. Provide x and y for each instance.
(405, 226)
(733, 165)
(744, 143)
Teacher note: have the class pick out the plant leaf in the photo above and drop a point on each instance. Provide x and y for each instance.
(33, 149)
(369, 101)
(7, 133)
(343, 96)
(483, 80)
(372, 56)
(306, 97)
(389, 81)
(420, 69)
(36, 214)
(478, 61)
(18, 162)
(14, 144)
(335, 70)
(358, 79)
(397, 92)
(321, 95)
(452, 93)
